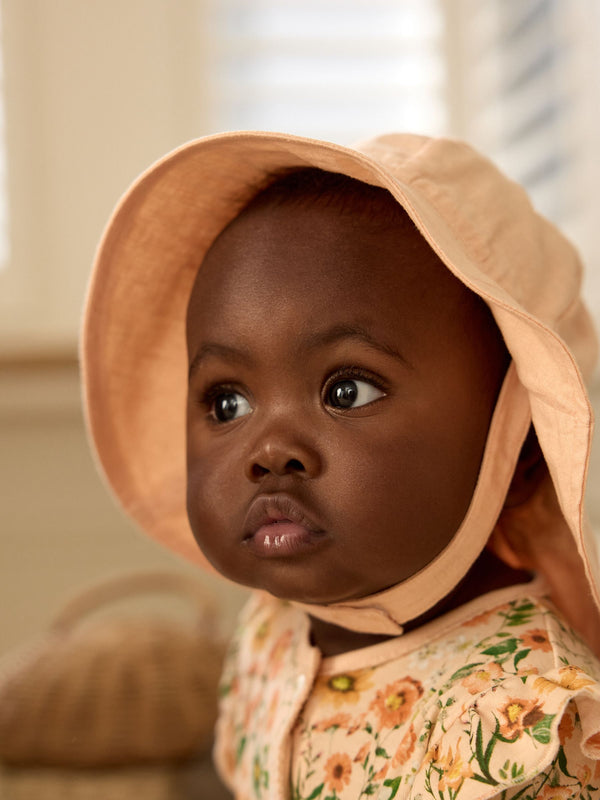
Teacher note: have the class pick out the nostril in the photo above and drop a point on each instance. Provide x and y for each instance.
(291, 466)
(258, 471)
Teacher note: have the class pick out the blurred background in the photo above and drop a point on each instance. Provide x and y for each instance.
(92, 91)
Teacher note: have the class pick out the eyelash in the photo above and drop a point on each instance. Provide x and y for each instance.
(353, 373)
(209, 395)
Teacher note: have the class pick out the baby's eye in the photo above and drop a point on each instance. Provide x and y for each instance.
(227, 406)
(351, 393)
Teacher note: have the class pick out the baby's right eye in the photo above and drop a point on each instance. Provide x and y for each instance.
(229, 405)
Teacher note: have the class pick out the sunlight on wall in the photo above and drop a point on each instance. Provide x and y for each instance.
(4, 227)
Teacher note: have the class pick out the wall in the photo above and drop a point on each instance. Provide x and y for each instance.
(95, 91)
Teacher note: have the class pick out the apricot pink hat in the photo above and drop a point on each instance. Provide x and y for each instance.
(481, 225)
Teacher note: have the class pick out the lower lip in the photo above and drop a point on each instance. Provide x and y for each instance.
(283, 540)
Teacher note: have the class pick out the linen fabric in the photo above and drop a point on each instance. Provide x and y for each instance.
(495, 699)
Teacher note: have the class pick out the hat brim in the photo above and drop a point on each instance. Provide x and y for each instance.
(133, 345)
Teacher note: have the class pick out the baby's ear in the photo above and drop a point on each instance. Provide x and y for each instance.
(511, 539)
(530, 471)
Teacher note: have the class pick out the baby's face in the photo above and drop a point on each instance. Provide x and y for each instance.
(341, 388)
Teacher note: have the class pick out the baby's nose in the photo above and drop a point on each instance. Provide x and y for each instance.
(283, 452)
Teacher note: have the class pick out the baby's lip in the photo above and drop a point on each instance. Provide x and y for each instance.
(270, 509)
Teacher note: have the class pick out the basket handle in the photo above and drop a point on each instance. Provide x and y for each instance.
(130, 584)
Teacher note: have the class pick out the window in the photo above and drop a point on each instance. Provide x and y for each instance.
(526, 88)
(333, 69)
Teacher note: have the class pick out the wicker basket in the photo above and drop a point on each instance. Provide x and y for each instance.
(113, 700)
(194, 780)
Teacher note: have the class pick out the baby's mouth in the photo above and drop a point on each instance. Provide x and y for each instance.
(278, 527)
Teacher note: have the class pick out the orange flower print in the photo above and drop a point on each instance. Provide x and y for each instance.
(362, 753)
(358, 722)
(455, 770)
(545, 685)
(537, 639)
(340, 720)
(481, 618)
(272, 712)
(565, 728)
(527, 671)
(250, 710)
(585, 776)
(394, 704)
(278, 652)
(379, 776)
(556, 793)
(571, 677)
(230, 754)
(338, 770)
(592, 745)
(519, 714)
(344, 688)
(482, 678)
(405, 748)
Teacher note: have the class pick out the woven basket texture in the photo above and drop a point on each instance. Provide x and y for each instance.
(115, 689)
(196, 780)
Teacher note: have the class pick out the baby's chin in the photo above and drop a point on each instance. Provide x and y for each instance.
(314, 594)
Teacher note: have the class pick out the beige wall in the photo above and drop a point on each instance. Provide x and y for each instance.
(60, 529)
(96, 90)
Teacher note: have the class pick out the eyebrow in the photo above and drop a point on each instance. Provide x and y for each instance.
(338, 333)
(313, 341)
(217, 350)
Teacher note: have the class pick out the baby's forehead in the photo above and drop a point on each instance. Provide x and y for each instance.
(345, 228)
(341, 209)
(323, 249)
(321, 190)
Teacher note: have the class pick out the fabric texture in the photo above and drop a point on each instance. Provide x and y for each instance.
(496, 699)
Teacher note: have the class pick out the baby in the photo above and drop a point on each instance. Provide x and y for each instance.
(387, 436)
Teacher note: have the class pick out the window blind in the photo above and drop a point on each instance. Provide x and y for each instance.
(336, 69)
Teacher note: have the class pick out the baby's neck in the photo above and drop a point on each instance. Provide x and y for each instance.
(487, 574)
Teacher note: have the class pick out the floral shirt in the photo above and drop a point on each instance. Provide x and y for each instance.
(496, 699)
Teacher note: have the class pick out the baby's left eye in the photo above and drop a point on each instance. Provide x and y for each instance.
(351, 393)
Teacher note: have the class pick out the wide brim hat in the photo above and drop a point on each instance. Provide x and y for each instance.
(481, 225)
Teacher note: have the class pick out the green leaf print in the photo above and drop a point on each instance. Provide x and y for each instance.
(380, 751)
(464, 672)
(541, 730)
(240, 749)
(316, 792)
(484, 756)
(506, 647)
(520, 615)
(394, 785)
(562, 763)
(520, 656)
